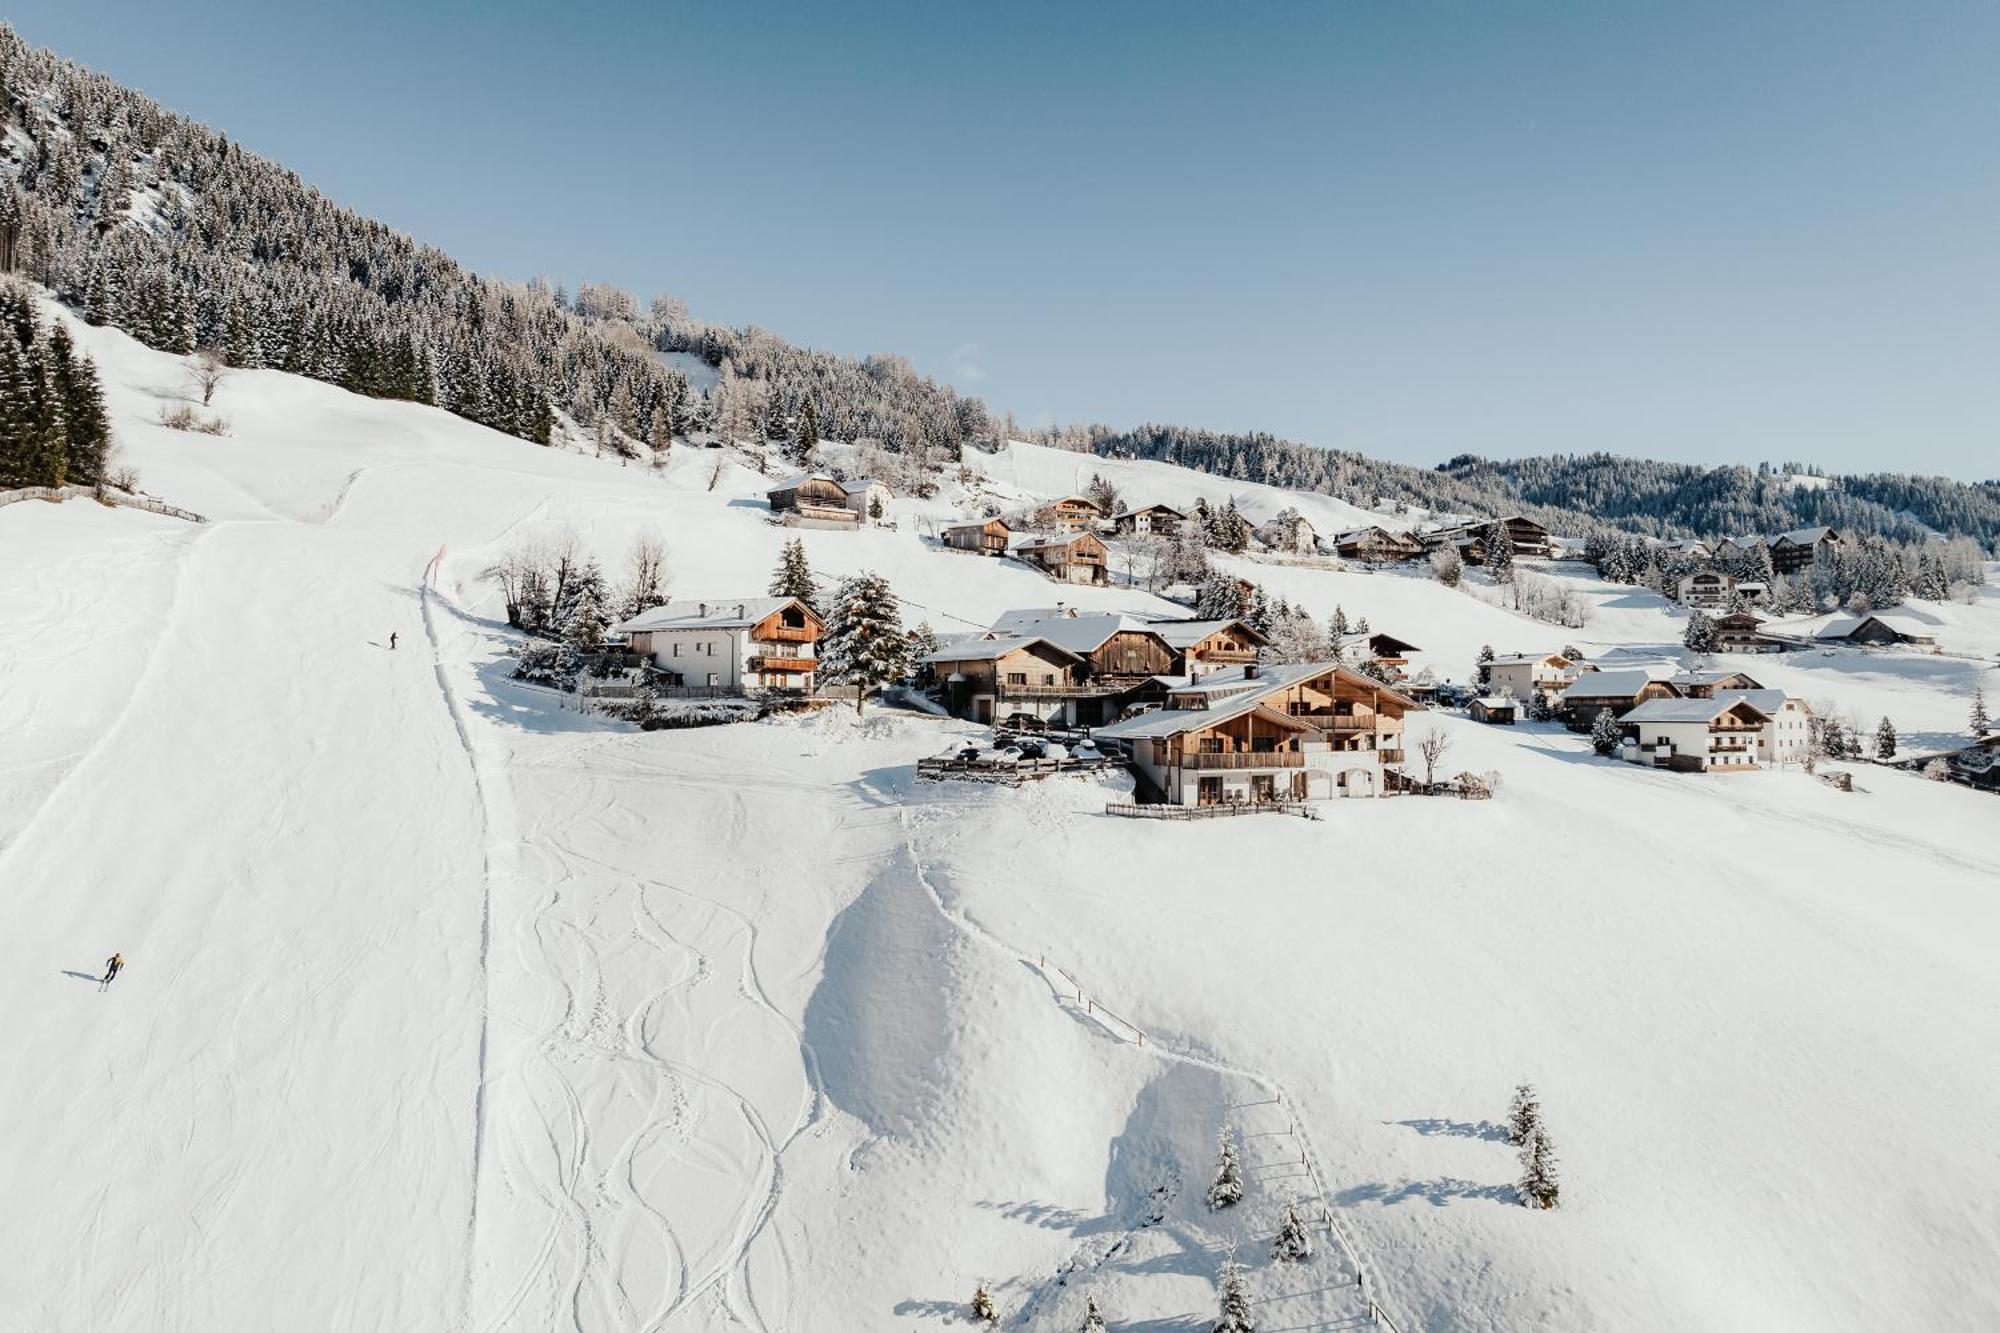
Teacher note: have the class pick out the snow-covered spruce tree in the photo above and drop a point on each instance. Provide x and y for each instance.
(804, 447)
(1228, 1187)
(864, 644)
(1220, 598)
(583, 628)
(1103, 494)
(1481, 676)
(1523, 1114)
(923, 640)
(1700, 636)
(1885, 739)
(1235, 1314)
(1093, 1320)
(1294, 1243)
(1337, 627)
(1499, 553)
(983, 1309)
(1604, 732)
(1538, 1187)
(793, 577)
(1978, 723)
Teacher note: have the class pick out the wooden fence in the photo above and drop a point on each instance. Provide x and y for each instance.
(57, 494)
(1011, 775)
(1226, 810)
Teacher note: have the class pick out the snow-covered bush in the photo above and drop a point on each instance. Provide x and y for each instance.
(1294, 1243)
(552, 664)
(1228, 1186)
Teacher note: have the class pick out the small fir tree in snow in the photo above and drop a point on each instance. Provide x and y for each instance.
(804, 446)
(1235, 1312)
(865, 645)
(983, 1309)
(1499, 552)
(1102, 494)
(1294, 1243)
(1538, 1187)
(793, 577)
(1338, 627)
(1481, 676)
(1093, 1322)
(587, 618)
(1523, 1114)
(875, 510)
(1700, 636)
(1604, 734)
(1978, 724)
(1885, 739)
(1228, 1187)
(923, 640)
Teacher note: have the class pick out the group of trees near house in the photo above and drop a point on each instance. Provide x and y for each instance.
(53, 427)
(1864, 572)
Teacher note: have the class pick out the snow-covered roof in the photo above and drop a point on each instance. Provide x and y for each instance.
(1518, 659)
(1609, 684)
(1491, 701)
(704, 613)
(1269, 677)
(1768, 702)
(986, 650)
(1149, 508)
(1804, 536)
(1163, 722)
(1846, 622)
(1080, 632)
(854, 487)
(1694, 710)
(1188, 633)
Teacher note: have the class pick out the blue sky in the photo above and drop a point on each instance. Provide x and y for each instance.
(1718, 232)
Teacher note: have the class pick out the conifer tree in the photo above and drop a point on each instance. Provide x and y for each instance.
(1235, 1316)
(1605, 736)
(1978, 723)
(983, 1309)
(864, 644)
(1499, 552)
(1093, 1321)
(1523, 1114)
(1538, 1187)
(923, 640)
(1227, 1189)
(1481, 675)
(1700, 636)
(805, 440)
(1885, 739)
(1294, 1243)
(793, 576)
(1337, 627)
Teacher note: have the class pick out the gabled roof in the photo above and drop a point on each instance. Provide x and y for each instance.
(1233, 680)
(1187, 633)
(1389, 645)
(988, 650)
(1079, 632)
(1805, 536)
(1768, 702)
(1077, 499)
(1844, 624)
(1517, 659)
(1492, 701)
(708, 613)
(1164, 722)
(979, 523)
(1610, 684)
(1694, 710)
(1150, 508)
(1712, 677)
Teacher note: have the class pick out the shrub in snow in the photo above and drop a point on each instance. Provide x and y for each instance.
(1538, 1170)
(1885, 740)
(1937, 770)
(1523, 1114)
(1604, 734)
(553, 664)
(1228, 1186)
(1235, 1314)
(1093, 1322)
(1294, 1243)
(1447, 566)
(1700, 636)
(983, 1309)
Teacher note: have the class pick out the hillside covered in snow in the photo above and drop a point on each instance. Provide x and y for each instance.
(451, 1007)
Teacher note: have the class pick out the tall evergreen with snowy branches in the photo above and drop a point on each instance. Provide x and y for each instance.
(864, 644)
(794, 577)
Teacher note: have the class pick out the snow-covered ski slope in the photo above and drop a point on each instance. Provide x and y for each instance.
(450, 1009)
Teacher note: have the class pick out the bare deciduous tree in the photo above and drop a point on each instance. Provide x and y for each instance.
(1431, 746)
(205, 373)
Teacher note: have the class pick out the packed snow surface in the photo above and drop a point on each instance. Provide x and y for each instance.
(450, 1008)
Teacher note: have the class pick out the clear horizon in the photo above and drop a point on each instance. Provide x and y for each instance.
(1705, 235)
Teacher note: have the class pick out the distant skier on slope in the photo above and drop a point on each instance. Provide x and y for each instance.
(392, 641)
(112, 967)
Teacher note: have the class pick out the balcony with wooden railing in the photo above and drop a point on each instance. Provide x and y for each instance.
(788, 634)
(767, 662)
(1245, 759)
(1227, 655)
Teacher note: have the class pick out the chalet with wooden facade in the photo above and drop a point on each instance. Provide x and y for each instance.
(1494, 709)
(1257, 735)
(1529, 538)
(1388, 652)
(1290, 533)
(743, 645)
(1720, 735)
(1613, 692)
(1741, 632)
(1202, 646)
(1707, 590)
(1524, 675)
(1876, 630)
(1069, 557)
(992, 680)
(987, 537)
(1379, 546)
(1073, 511)
(1796, 550)
(819, 500)
(1708, 684)
(1153, 520)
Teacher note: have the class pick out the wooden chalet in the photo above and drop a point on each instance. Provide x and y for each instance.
(1796, 550)
(1155, 520)
(1252, 735)
(1876, 630)
(1389, 651)
(1379, 546)
(818, 499)
(1741, 632)
(744, 645)
(1722, 735)
(1070, 557)
(987, 537)
(1201, 646)
(1529, 538)
(1073, 511)
(1613, 692)
(1708, 684)
(1498, 710)
(996, 680)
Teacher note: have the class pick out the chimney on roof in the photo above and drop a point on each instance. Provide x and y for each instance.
(739, 610)
(1250, 671)
(701, 609)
